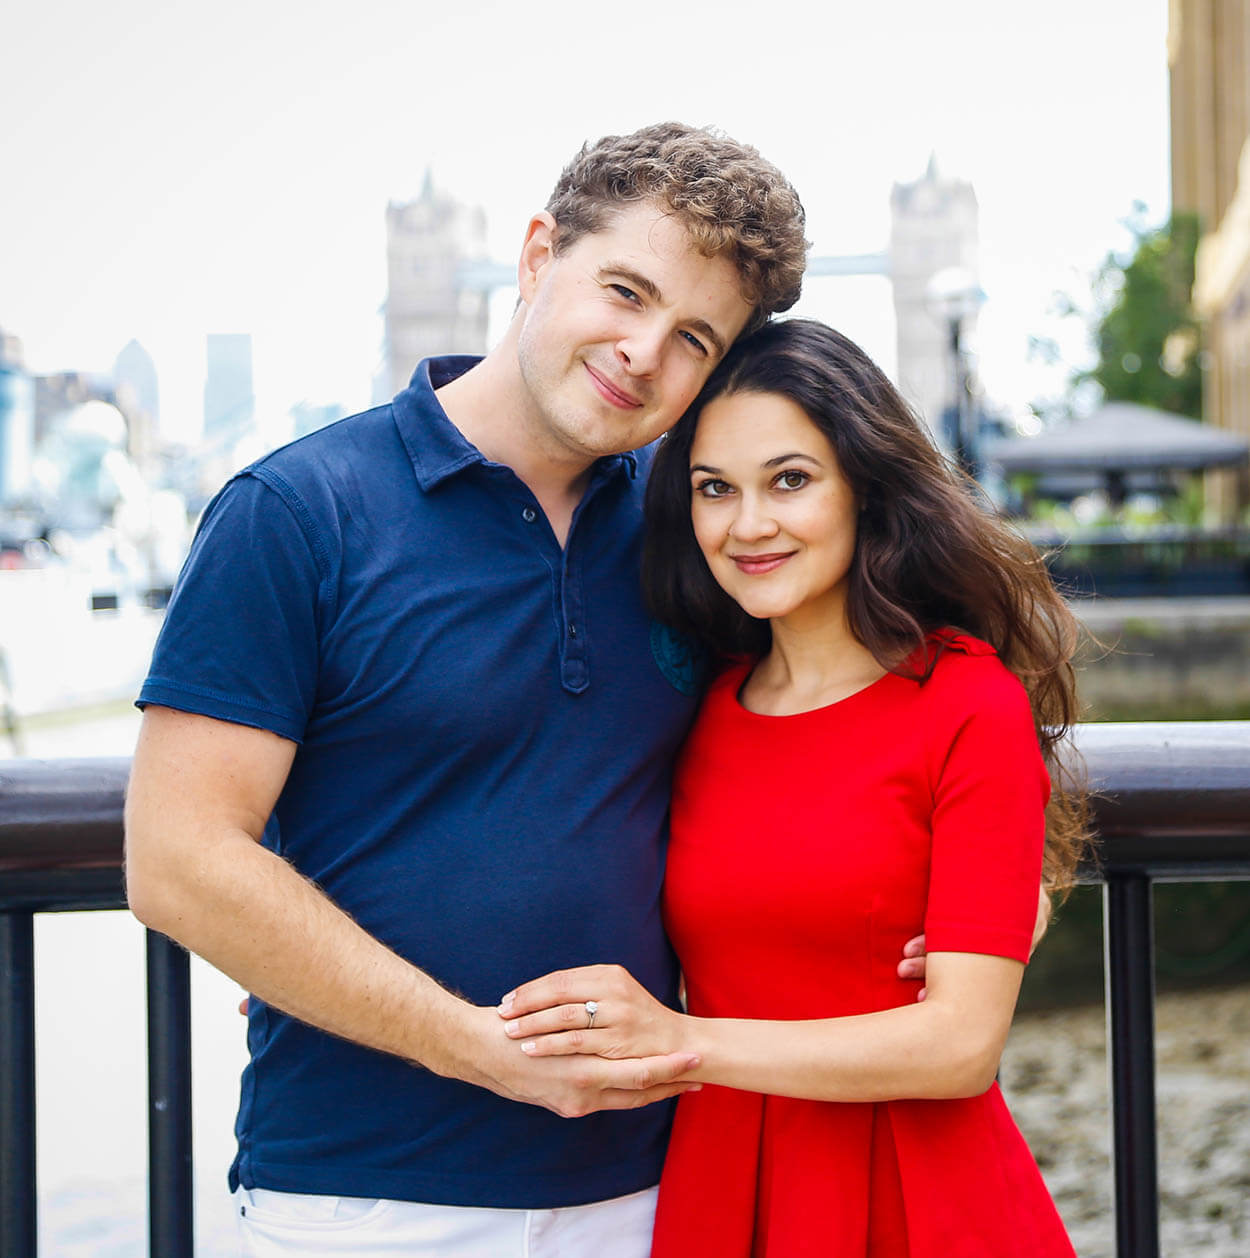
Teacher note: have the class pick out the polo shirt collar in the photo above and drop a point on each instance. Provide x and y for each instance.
(437, 448)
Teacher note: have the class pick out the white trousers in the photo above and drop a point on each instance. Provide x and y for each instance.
(291, 1225)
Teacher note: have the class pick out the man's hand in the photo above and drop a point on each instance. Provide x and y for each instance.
(571, 1086)
(1042, 922)
(572, 1091)
(913, 964)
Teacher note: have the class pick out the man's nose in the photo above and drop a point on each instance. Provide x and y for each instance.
(642, 350)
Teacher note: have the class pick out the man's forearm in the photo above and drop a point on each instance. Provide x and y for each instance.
(256, 918)
(200, 794)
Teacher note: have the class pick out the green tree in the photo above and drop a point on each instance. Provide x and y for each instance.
(1147, 336)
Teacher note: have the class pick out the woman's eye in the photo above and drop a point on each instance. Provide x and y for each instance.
(712, 488)
(792, 480)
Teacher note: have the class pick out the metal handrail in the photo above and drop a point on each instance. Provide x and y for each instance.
(1171, 802)
(1159, 787)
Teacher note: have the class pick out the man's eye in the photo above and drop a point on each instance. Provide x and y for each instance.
(696, 343)
(792, 480)
(627, 293)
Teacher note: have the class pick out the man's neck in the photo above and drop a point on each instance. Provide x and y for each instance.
(491, 407)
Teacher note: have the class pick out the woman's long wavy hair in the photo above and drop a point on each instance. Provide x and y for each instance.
(927, 555)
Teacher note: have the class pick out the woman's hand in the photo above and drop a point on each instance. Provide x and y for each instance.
(551, 1016)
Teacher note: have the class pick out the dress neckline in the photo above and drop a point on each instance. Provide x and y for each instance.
(939, 639)
(743, 673)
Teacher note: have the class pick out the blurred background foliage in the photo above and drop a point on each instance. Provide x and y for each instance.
(1202, 938)
(1146, 334)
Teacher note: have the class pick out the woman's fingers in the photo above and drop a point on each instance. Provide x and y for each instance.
(562, 1018)
(564, 987)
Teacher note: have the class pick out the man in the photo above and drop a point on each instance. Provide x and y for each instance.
(408, 733)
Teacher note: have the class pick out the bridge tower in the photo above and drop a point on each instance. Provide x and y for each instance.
(933, 226)
(429, 310)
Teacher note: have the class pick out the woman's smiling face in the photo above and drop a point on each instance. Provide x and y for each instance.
(772, 513)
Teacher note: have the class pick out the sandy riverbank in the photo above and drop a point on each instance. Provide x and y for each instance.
(1054, 1075)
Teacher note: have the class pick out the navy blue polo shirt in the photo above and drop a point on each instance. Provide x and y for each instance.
(486, 732)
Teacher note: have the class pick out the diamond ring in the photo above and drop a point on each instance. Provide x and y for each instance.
(592, 1008)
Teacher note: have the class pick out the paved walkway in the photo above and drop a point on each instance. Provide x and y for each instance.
(1207, 612)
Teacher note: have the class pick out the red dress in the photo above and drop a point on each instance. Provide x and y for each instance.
(805, 851)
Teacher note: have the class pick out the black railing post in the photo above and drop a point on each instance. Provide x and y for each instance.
(17, 1084)
(170, 1214)
(1131, 1056)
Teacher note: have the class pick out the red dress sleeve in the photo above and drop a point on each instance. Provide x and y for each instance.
(988, 820)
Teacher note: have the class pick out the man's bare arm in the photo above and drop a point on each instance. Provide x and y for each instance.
(201, 791)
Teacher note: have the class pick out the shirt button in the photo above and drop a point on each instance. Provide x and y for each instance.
(529, 515)
(572, 631)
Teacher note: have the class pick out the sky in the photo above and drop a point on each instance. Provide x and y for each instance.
(170, 169)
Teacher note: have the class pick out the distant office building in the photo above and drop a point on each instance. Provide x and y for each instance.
(134, 371)
(17, 421)
(229, 403)
(1209, 60)
(306, 418)
(430, 309)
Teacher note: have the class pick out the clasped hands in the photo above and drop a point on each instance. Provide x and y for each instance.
(550, 1016)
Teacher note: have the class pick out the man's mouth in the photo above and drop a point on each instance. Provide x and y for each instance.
(611, 393)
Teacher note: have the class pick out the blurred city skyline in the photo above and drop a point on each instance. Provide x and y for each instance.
(175, 173)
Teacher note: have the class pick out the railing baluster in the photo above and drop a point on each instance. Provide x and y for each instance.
(17, 1085)
(170, 1214)
(1129, 928)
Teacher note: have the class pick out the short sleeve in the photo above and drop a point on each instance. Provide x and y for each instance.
(988, 826)
(240, 637)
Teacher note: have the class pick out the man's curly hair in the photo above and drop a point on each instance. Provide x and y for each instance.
(732, 202)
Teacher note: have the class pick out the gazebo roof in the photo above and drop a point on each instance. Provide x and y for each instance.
(1118, 437)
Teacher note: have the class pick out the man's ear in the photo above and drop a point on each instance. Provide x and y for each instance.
(536, 252)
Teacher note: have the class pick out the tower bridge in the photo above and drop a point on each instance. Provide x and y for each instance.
(440, 279)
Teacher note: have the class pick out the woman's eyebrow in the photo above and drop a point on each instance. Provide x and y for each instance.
(796, 454)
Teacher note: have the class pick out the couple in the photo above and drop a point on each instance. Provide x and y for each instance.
(409, 740)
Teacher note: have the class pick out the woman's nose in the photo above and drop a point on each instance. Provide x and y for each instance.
(753, 520)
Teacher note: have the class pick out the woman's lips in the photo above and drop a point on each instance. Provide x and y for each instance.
(626, 401)
(757, 565)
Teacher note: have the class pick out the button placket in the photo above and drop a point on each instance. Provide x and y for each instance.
(574, 664)
(574, 656)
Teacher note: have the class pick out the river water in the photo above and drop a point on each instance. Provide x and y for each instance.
(90, 1026)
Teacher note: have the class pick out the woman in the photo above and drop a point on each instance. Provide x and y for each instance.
(874, 761)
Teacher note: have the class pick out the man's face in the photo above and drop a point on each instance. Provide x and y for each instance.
(621, 330)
